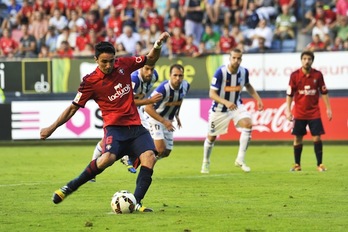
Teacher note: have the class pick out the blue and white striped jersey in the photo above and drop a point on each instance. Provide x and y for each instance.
(140, 88)
(172, 99)
(228, 86)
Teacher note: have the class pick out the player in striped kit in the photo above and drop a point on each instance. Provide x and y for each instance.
(143, 80)
(225, 91)
(160, 115)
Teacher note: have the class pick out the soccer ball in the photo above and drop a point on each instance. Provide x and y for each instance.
(123, 202)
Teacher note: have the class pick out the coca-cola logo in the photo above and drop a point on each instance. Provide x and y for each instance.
(270, 119)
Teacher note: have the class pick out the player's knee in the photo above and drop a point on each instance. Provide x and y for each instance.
(148, 159)
(106, 160)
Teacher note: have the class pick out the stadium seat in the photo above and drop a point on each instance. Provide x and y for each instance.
(276, 46)
(288, 45)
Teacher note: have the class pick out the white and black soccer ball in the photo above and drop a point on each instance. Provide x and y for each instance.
(123, 202)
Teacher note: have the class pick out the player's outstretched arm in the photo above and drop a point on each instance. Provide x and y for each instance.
(146, 101)
(63, 118)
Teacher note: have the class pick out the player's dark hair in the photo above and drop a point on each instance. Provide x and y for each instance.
(104, 47)
(307, 53)
(178, 66)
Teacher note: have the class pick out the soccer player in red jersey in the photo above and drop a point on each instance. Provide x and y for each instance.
(304, 87)
(110, 87)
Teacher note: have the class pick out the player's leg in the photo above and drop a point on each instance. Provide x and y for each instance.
(98, 150)
(128, 163)
(217, 124)
(242, 119)
(207, 149)
(246, 125)
(126, 159)
(299, 130)
(95, 167)
(169, 143)
(157, 133)
(317, 129)
(143, 146)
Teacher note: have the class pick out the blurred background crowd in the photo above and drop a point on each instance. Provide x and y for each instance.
(71, 28)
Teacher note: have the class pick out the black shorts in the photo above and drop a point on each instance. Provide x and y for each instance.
(127, 140)
(315, 127)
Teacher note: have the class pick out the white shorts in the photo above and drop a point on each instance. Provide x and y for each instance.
(158, 132)
(143, 118)
(219, 121)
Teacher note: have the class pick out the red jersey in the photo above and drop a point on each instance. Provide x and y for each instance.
(81, 41)
(7, 45)
(65, 53)
(156, 19)
(319, 46)
(305, 89)
(97, 26)
(113, 92)
(189, 49)
(116, 24)
(226, 44)
(85, 5)
(177, 44)
(175, 22)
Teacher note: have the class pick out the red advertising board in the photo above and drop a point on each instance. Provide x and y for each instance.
(271, 123)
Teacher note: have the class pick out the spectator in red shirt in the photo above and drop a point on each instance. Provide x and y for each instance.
(114, 21)
(24, 14)
(342, 8)
(118, 4)
(72, 5)
(190, 49)
(155, 18)
(94, 22)
(85, 5)
(321, 12)
(174, 20)
(82, 39)
(326, 14)
(65, 51)
(8, 46)
(305, 85)
(316, 44)
(57, 4)
(42, 6)
(226, 43)
(176, 42)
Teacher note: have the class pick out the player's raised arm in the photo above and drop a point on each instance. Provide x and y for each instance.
(155, 52)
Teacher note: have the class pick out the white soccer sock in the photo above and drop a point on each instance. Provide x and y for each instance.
(97, 151)
(208, 147)
(244, 139)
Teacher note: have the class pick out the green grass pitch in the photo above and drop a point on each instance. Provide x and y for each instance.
(269, 198)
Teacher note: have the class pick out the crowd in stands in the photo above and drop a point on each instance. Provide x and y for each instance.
(71, 28)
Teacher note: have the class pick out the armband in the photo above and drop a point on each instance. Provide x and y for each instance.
(156, 46)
